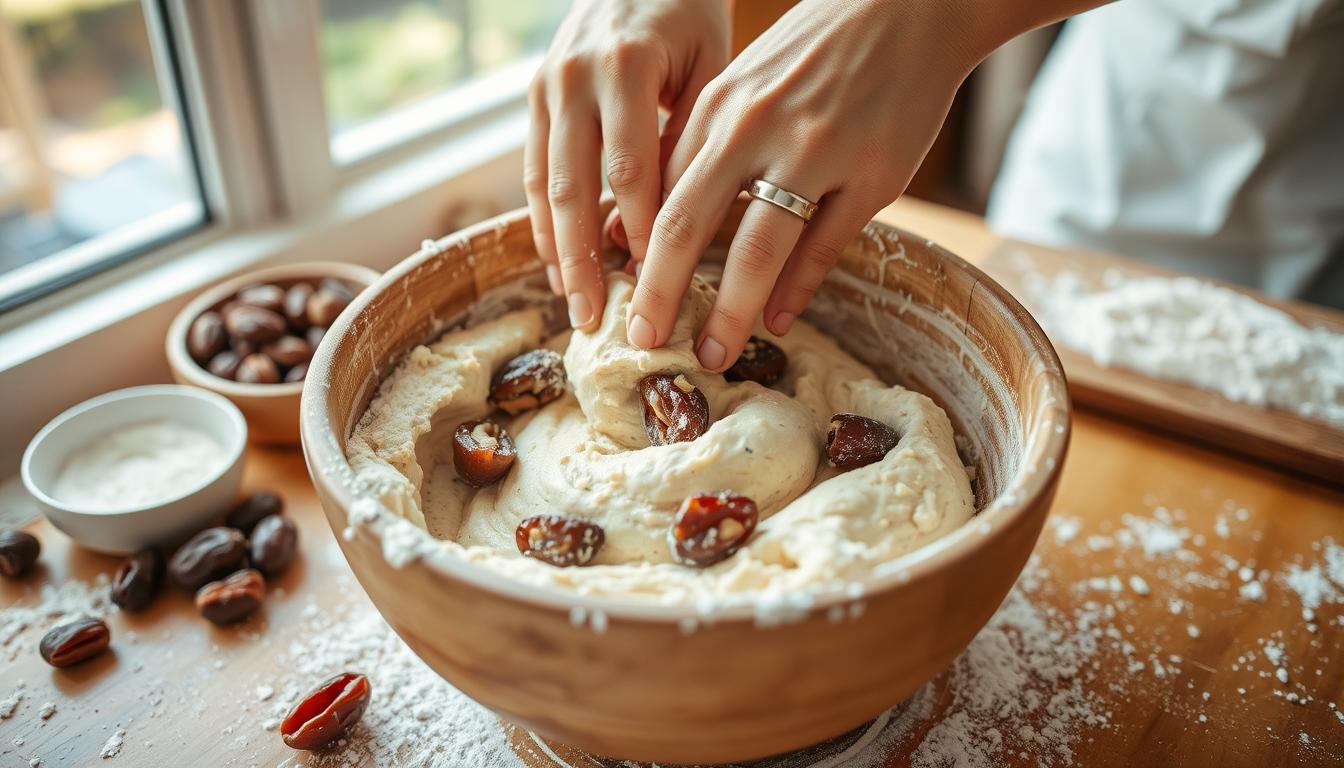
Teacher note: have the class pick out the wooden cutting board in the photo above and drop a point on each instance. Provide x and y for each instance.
(1273, 436)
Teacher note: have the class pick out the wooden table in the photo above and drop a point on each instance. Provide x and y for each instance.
(175, 678)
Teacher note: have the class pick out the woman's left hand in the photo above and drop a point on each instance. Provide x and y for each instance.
(837, 102)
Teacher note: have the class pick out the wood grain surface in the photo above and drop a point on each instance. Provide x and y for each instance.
(180, 684)
(1275, 436)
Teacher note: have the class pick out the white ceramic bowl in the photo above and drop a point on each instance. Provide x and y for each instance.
(125, 531)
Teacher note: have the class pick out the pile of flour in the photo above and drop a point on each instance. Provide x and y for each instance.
(1195, 332)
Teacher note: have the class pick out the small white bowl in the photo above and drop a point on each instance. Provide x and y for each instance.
(126, 531)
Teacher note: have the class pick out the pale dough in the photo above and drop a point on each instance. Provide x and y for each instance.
(586, 456)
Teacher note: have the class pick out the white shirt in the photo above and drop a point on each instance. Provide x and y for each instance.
(1205, 135)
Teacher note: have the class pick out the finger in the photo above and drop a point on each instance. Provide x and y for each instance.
(704, 70)
(680, 114)
(616, 230)
(761, 246)
(630, 135)
(839, 219)
(572, 190)
(534, 185)
(683, 228)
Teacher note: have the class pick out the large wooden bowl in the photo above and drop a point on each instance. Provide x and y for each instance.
(730, 691)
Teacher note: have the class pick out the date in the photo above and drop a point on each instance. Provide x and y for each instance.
(326, 714)
(560, 541)
(528, 381)
(857, 441)
(77, 641)
(273, 545)
(253, 509)
(18, 552)
(138, 580)
(711, 527)
(233, 598)
(675, 411)
(207, 556)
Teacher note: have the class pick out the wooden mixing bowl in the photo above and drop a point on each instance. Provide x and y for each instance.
(642, 689)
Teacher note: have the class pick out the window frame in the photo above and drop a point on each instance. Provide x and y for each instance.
(274, 194)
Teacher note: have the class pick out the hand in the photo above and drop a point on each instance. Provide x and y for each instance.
(837, 102)
(612, 64)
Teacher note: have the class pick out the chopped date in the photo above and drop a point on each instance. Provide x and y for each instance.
(857, 441)
(528, 381)
(560, 541)
(483, 452)
(675, 411)
(761, 361)
(711, 527)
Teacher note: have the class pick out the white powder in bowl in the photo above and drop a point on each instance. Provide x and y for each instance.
(138, 465)
(1189, 330)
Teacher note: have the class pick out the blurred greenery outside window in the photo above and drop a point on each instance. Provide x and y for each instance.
(384, 58)
(91, 150)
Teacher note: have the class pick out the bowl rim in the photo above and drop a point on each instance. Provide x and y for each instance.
(1026, 488)
(205, 398)
(175, 342)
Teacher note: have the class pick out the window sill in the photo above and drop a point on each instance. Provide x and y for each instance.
(107, 332)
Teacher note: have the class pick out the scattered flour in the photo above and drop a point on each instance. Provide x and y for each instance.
(55, 604)
(1189, 330)
(1034, 686)
(112, 747)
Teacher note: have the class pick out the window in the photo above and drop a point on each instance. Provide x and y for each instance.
(393, 69)
(95, 165)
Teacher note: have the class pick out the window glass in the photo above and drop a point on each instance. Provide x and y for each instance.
(93, 161)
(382, 56)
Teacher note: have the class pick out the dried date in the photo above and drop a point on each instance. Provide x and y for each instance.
(273, 544)
(138, 580)
(74, 642)
(225, 364)
(207, 556)
(560, 541)
(249, 323)
(247, 513)
(206, 337)
(675, 411)
(761, 361)
(326, 714)
(483, 452)
(528, 381)
(232, 598)
(18, 552)
(857, 441)
(268, 297)
(711, 527)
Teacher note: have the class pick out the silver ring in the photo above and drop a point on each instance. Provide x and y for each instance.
(796, 204)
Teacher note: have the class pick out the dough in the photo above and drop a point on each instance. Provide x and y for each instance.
(585, 455)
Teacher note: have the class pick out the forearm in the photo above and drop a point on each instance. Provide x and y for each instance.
(988, 24)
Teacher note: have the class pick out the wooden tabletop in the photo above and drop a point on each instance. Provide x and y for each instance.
(181, 687)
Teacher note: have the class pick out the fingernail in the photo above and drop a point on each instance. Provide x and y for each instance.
(782, 323)
(580, 310)
(711, 353)
(553, 275)
(639, 265)
(640, 332)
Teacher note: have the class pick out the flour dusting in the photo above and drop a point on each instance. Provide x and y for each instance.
(1189, 330)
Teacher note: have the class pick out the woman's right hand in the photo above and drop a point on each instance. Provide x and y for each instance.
(612, 64)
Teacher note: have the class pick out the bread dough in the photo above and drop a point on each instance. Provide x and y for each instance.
(586, 456)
